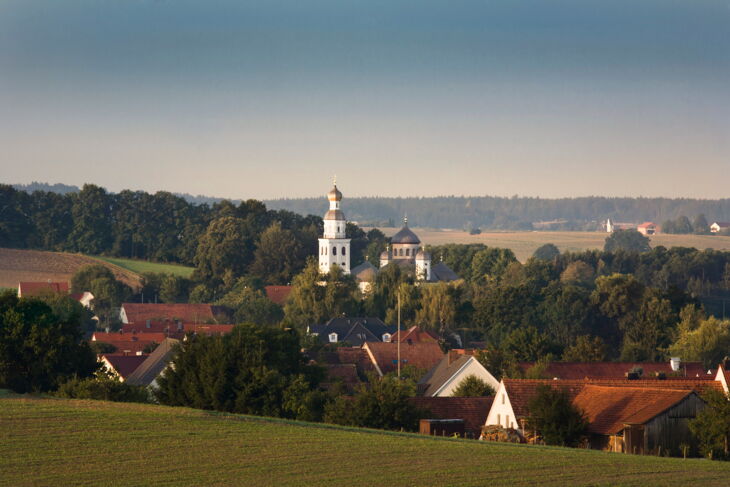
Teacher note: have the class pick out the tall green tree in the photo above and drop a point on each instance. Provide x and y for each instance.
(712, 426)
(92, 223)
(555, 418)
(225, 251)
(278, 256)
(546, 251)
(628, 241)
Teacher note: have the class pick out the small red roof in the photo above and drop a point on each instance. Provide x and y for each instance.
(126, 347)
(415, 335)
(647, 225)
(278, 294)
(424, 355)
(123, 364)
(473, 410)
(29, 289)
(139, 313)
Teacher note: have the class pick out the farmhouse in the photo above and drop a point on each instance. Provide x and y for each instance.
(648, 228)
(414, 334)
(35, 289)
(384, 356)
(445, 377)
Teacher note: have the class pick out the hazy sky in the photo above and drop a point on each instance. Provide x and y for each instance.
(270, 99)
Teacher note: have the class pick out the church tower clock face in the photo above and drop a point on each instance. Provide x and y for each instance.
(334, 246)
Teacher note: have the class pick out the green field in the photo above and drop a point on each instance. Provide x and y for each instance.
(64, 442)
(141, 266)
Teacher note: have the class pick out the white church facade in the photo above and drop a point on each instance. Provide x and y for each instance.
(334, 246)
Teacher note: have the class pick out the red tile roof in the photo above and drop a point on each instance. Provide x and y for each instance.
(100, 336)
(171, 328)
(473, 410)
(617, 370)
(126, 347)
(124, 364)
(30, 289)
(347, 355)
(608, 409)
(139, 313)
(647, 225)
(423, 355)
(520, 391)
(278, 294)
(415, 335)
(345, 373)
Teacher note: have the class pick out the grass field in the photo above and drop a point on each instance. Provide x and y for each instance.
(141, 266)
(63, 442)
(33, 265)
(523, 244)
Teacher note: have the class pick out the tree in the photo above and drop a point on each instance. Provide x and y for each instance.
(627, 240)
(700, 225)
(578, 272)
(108, 292)
(547, 251)
(92, 229)
(102, 389)
(224, 252)
(586, 349)
(438, 307)
(278, 256)
(380, 403)
(555, 418)
(709, 342)
(473, 386)
(38, 350)
(712, 425)
(250, 305)
(527, 344)
(175, 289)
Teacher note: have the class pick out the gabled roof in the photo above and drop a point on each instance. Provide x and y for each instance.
(193, 313)
(344, 373)
(355, 331)
(347, 355)
(608, 409)
(278, 294)
(176, 330)
(721, 224)
(108, 337)
(154, 364)
(473, 410)
(617, 370)
(365, 272)
(647, 225)
(30, 289)
(128, 347)
(415, 334)
(442, 272)
(123, 365)
(422, 356)
(443, 372)
(405, 236)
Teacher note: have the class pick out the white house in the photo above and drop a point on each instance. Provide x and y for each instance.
(718, 227)
(445, 377)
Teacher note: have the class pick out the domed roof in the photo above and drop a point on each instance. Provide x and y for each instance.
(405, 236)
(334, 194)
(334, 215)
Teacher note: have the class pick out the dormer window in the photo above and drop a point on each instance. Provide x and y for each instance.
(386, 337)
(333, 337)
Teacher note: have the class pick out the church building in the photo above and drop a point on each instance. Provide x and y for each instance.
(334, 246)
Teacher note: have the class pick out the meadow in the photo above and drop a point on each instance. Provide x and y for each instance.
(142, 266)
(46, 441)
(523, 244)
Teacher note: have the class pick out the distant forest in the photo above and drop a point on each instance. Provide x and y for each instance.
(485, 212)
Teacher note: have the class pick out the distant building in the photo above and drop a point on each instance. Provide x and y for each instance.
(154, 366)
(447, 375)
(34, 289)
(278, 294)
(139, 313)
(718, 227)
(334, 246)
(354, 331)
(648, 228)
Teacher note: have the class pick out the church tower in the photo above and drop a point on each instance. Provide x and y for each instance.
(334, 247)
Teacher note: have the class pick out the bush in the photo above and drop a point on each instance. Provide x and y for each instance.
(473, 386)
(555, 418)
(102, 389)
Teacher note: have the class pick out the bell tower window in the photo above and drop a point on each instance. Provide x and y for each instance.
(334, 250)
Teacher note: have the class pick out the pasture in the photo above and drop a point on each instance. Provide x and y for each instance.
(523, 244)
(46, 441)
(34, 265)
(142, 266)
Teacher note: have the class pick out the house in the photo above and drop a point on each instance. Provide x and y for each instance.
(638, 420)
(354, 331)
(718, 227)
(414, 334)
(511, 401)
(342, 360)
(445, 377)
(154, 365)
(384, 356)
(278, 294)
(121, 366)
(138, 313)
(85, 298)
(618, 370)
(33, 289)
(723, 375)
(471, 410)
(365, 274)
(648, 228)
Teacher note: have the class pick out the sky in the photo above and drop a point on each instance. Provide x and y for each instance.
(271, 99)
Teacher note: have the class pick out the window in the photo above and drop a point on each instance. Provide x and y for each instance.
(386, 337)
(333, 337)
(401, 252)
(503, 398)
(506, 421)
(344, 252)
(325, 251)
(334, 250)
(338, 229)
(408, 252)
(499, 419)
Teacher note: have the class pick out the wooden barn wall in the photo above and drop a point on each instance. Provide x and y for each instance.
(671, 428)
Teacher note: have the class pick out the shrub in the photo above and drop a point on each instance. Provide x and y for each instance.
(102, 389)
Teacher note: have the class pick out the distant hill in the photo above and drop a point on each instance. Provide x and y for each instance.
(484, 212)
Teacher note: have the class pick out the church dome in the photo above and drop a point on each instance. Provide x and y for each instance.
(405, 236)
(334, 215)
(334, 194)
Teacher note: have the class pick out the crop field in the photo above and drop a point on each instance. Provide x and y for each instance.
(33, 265)
(141, 266)
(523, 244)
(69, 442)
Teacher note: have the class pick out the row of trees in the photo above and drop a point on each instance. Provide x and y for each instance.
(683, 225)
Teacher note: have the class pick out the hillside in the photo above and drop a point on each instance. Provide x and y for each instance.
(142, 266)
(34, 265)
(62, 442)
(524, 244)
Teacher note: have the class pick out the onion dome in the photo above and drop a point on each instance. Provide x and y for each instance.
(334, 194)
(405, 236)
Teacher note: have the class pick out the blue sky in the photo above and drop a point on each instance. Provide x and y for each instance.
(270, 99)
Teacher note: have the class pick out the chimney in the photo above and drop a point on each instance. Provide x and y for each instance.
(675, 362)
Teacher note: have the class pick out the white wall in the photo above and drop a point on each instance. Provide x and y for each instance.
(501, 412)
(472, 367)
